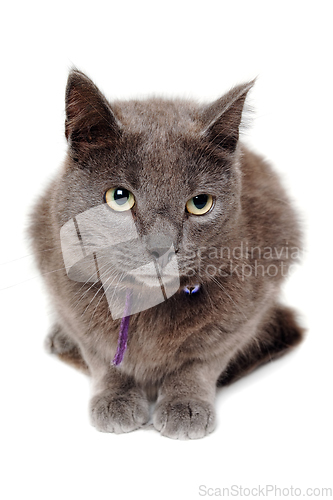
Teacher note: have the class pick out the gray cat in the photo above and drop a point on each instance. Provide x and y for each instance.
(163, 242)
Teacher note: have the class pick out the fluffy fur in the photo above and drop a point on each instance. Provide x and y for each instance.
(165, 152)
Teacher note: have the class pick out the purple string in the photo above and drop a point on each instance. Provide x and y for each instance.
(123, 332)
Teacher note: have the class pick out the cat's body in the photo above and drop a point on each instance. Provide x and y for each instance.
(166, 153)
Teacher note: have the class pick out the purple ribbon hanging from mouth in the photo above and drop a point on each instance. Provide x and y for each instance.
(123, 332)
(124, 324)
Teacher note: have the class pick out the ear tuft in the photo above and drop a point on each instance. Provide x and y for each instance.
(222, 118)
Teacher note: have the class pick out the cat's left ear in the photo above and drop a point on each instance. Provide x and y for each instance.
(89, 119)
(222, 118)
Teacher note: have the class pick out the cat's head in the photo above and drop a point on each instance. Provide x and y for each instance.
(166, 169)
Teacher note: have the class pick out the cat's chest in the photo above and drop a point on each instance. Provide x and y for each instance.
(155, 350)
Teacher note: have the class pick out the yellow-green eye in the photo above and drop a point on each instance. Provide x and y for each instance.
(199, 205)
(119, 199)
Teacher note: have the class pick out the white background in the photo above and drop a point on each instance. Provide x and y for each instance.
(275, 426)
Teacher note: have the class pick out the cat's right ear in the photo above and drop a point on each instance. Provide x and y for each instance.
(222, 118)
(90, 121)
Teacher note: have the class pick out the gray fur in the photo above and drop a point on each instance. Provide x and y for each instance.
(167, 152)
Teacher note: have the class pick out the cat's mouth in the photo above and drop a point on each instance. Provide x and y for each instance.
(154, 278)
(157, 273)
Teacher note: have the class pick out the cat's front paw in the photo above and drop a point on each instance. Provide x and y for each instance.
(116, 413)
(184, 418)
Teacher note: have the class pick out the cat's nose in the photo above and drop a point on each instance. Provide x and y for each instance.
(161, 249)
(162, 255)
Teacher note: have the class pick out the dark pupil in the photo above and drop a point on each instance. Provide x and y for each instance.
(121, 196)
(200, 201)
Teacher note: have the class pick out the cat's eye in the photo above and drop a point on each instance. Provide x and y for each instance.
(119, 199)
(200, 204)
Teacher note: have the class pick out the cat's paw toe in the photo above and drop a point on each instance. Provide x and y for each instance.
(57, 342)
(184, 419)
(118, 413)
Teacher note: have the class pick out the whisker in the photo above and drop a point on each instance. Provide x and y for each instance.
(103, 286)
(28, 255)
(94, 283)
(105, 290)
(224, 290)
(88, 281)
(32, 278)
